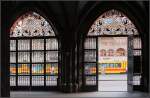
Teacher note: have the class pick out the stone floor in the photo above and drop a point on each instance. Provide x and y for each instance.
(112, 82)
(112, 86)
(22, 94)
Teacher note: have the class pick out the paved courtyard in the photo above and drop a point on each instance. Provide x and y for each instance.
(112, 82)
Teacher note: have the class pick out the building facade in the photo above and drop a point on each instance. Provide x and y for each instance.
(43, 43)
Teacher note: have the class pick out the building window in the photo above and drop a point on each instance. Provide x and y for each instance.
(110, 31)
(33, 52)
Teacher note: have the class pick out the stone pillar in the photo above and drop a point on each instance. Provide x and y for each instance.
(145, 62)
(5, 89)
(68, 68)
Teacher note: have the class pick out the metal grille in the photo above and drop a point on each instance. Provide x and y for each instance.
(90, 59)
(137, 52)
(33, 62)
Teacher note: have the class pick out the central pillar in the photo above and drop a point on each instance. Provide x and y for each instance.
(68, 68)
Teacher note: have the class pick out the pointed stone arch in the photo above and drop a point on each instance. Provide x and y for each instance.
(112, 22)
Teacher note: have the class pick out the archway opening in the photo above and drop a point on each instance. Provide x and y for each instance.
(111, 51)
(33, 54)
(112, 63)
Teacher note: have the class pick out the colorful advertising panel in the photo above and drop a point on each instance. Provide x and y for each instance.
(112, 54)
(52, 69)
(12, 69)
(37, 69)
(23, 69)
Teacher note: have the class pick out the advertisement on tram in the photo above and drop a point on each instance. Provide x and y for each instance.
(112, 55)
